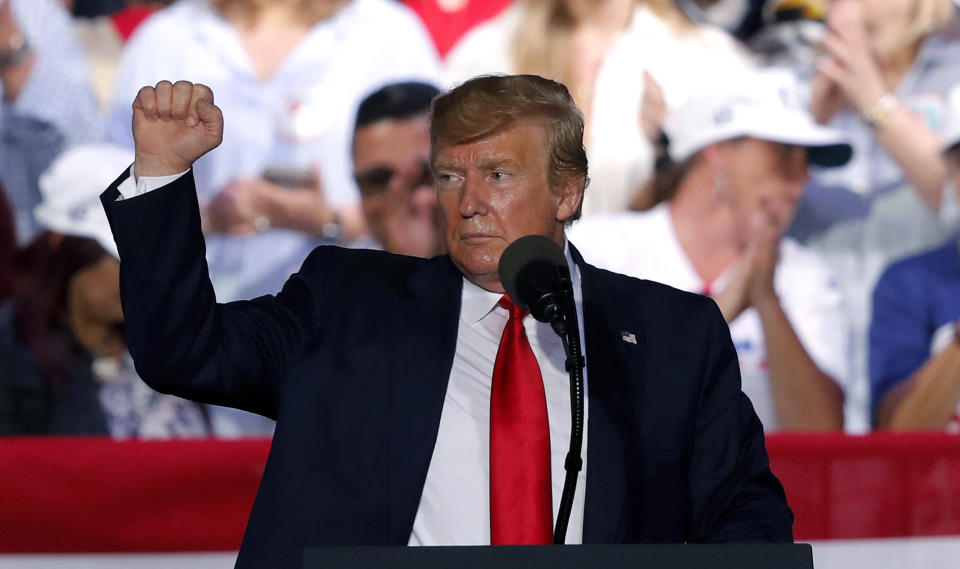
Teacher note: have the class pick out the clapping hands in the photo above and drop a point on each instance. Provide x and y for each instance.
(753, 277)
(847, 74)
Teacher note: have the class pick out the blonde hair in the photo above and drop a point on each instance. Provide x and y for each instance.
(543, 37)
(307, 11)
(485, 105)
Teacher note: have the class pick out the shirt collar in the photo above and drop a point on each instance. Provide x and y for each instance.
(686, 276)
(477, 302)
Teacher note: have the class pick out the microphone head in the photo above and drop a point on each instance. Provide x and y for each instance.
(529, 266)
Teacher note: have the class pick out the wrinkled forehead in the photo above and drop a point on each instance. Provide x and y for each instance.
(533, 130)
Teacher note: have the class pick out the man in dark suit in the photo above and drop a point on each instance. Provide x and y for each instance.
(378, 367)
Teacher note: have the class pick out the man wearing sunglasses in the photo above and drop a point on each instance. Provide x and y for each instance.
(391, 165)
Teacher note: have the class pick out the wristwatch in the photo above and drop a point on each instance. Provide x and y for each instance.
(17, 51)
(879, 113)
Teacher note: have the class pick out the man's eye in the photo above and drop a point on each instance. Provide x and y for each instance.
(498, 176)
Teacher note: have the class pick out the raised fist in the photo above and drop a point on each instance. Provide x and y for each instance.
(173, 126)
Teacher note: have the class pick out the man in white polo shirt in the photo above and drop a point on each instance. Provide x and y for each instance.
(735, 167)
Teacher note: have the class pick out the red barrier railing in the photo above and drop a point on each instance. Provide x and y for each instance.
(83, 494)
(878, 485)
(87, 494)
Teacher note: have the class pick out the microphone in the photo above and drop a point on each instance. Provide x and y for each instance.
(532, 270)
(535, 275)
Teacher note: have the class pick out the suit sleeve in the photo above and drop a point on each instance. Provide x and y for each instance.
(736, 498)
(181, 340)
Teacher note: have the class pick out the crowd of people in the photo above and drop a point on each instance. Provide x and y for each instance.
(796, 160)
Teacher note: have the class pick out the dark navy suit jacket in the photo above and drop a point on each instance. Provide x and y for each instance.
(353, 356)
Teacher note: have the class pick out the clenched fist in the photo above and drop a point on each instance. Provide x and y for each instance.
(173, 126)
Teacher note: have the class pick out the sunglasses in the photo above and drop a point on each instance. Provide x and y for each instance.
(375, 181)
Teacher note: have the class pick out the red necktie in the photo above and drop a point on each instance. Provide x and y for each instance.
(521, 507)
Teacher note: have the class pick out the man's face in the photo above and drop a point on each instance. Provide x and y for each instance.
(495, 190)
(392, 169)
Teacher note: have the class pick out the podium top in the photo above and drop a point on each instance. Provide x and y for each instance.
(713, 556)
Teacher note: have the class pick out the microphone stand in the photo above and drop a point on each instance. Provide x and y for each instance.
(569, 331)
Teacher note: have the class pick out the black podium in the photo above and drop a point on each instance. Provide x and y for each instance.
(751, 556)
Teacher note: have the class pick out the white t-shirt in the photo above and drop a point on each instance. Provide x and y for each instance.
(301, 117)
(682, 61)
(645, 245)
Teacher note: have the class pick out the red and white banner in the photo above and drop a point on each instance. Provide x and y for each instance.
(81, 501)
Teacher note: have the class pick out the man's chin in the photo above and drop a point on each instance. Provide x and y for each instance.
(483, 272)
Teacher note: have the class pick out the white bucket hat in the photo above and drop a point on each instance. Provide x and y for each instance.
(762, 104)
(70, 192)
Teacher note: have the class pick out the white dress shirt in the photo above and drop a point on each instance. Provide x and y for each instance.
(458, 481)
(455, 504)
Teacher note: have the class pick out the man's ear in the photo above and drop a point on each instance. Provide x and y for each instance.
(571, 196)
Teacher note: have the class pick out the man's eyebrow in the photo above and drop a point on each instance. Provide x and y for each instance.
(494, 163)
(447, 166)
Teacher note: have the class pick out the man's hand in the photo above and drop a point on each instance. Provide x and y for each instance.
(173, 126)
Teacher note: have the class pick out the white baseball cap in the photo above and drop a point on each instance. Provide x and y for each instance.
(70, 192)
(762, 104)
(951, 130)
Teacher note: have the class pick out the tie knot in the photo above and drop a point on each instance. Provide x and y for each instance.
(515, 311)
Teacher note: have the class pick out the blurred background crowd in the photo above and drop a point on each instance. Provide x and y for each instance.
(797, 160)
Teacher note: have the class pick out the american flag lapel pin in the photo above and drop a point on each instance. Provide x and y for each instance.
(628, 337)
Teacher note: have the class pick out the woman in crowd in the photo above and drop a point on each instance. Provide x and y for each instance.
(882, 78)
(64, 368)
(735, 166)
(290, 74)
(608, 53)
(914, 333)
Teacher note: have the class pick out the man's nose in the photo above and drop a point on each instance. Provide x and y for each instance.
(474, 196)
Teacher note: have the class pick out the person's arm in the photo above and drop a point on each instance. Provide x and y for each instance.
(246, 206)
(735, 496)
(804, 397)
(928, 399)
(181, 340)
(851, 74)
(911, 389)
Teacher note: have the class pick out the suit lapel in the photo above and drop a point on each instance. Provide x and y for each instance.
(425, 330)
(613, 424)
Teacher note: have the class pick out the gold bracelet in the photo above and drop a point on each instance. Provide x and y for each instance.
(878, 114)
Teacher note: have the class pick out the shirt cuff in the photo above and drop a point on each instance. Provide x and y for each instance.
(133, 187)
